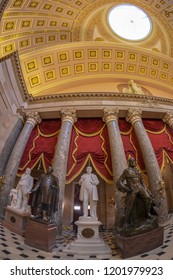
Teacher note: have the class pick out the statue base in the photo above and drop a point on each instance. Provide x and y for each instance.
(40, 235)
(88, 241)
(131, 246)
(16, 220)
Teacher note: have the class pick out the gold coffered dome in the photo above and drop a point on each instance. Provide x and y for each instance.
(68, 46)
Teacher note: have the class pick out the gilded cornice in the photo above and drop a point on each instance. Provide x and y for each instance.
(101, 96)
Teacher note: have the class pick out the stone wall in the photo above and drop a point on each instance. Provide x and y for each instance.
(7, 119)
(10, 100)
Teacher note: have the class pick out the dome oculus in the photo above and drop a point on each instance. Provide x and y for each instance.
(129, 22)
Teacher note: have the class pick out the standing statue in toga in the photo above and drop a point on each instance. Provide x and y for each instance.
(23, 189)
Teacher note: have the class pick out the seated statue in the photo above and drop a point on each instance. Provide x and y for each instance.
(139, 215)
(45, 196)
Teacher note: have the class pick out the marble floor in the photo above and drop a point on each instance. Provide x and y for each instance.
(12, 247)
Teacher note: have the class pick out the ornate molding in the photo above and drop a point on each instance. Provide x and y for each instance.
(110, 114)
(168, 119)
(100, 95)
(21, 112)
(19, 75)
(33, 118)
(69, 115)
(134, 115)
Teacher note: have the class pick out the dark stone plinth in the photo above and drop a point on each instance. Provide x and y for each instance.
(40, 235)
(131, 246)
(15, 220)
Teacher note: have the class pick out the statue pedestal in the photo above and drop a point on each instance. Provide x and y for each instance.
(131, 246)
(88, 241)
(40, 235)
(16, 220)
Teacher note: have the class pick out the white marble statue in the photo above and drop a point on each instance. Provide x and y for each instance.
(13, 198)
(88, 192)
(24, 188)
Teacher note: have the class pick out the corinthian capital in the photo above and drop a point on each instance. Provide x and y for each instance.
(21, 112)
(133, 116)
(33, 118)
(168, 119)
(69, 115)
(110, 114)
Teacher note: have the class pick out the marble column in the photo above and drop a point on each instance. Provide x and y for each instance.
(15, 158)
(119, 162)
(60, 162)
(168, 119)
(156, 183)
(9, 144)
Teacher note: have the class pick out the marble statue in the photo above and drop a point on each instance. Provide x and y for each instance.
(13, 198)
(138, 201)
(45, 196)
(88, 192)
(24, 188)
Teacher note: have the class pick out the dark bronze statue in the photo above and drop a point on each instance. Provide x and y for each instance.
(45, 196)
(139, 215)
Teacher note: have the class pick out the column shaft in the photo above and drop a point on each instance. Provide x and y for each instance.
(8, 147)
(15, 158)
(118, 157)
(60, 162)
(156, 183)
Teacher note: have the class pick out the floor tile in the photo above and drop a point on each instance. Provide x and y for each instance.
(12, 247)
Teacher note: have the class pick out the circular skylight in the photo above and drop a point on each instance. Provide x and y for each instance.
(129, 22)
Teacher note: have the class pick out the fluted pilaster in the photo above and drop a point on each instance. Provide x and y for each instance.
(14, 160)
(156, 183)
(60, 161)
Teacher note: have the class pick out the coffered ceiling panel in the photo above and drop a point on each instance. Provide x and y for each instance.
(60, 42)
(57, 67)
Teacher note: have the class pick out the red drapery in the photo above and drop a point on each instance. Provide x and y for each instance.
(161, 138)
(90, 141)
(41, 145)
